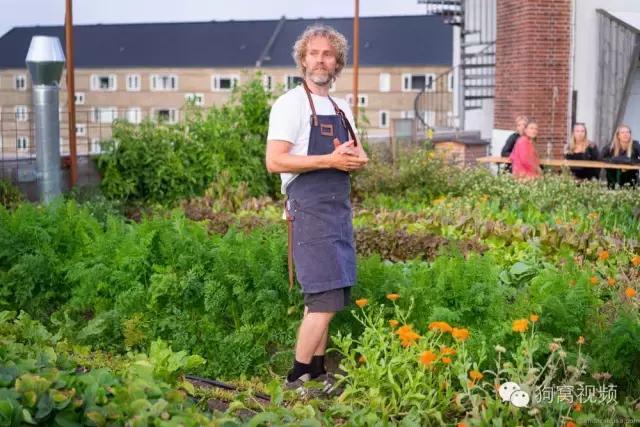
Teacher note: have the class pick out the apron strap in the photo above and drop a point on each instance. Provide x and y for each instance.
(289, 244)
(313, 108)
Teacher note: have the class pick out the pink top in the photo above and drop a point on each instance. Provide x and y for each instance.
(524, 159)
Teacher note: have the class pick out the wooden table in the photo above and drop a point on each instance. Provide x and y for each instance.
(564, 163)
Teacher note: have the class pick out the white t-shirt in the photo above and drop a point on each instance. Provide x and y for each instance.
(290, 121)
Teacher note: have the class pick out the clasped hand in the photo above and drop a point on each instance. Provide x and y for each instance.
(346, 157)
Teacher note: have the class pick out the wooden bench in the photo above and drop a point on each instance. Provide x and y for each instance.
(562, 163)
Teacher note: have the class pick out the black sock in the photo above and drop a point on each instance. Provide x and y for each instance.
(299, 369)
(317, 366)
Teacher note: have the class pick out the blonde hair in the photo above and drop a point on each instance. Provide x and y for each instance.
(336, 40)
(571, 148)
(615, 144)
(531, 121)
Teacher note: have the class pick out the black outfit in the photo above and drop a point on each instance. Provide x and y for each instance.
(618, 176)
(508, 148)
(591, 153)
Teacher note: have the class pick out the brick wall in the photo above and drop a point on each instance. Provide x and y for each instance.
(533, 51)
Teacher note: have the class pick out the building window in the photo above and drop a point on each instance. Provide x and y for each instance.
(104, 114)
(81, 129)
(64, 147)
(134, 115)
(22, 113)
(383, 119)
(292, 81)
(363, 100)
(196, 98)
(385, 82)
(418, 82)
(133, 82)
(165, 115)
(409, 114)
(224, 83)
(450, 82)
(94, 146)
(22, 143)
(103, 82)
(266, 82)
(164, 82)
(20, 82)
(79, 98)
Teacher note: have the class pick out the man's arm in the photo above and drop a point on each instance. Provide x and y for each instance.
(279, 160)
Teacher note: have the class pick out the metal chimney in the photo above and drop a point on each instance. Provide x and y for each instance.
(45, 61)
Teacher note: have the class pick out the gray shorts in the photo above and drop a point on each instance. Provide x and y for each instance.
(328, 302)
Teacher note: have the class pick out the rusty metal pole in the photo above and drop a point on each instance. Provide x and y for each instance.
(71, 92)
(356, 59)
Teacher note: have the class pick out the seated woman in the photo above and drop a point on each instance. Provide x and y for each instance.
(580, 148)
(521, 122)
(524, 159)
(622, 150)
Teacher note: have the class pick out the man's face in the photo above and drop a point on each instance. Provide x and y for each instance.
(320, 61)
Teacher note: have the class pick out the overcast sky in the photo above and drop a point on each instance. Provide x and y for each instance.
(21, 13)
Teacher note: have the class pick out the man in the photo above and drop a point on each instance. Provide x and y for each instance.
(312, 144)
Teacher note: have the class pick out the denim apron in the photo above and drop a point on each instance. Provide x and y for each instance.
(319, 210)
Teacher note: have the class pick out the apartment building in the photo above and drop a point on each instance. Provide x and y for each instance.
(136, 72)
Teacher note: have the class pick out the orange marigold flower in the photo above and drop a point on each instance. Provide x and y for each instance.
(577, 407)
(594, 280)
(580, 340)
(570, 424)
(460, 334)
(476, 375)
(446, 360)
(635, 260)
(407, 335)
(393, 297)
(520, 325)
(534, 318)
(630, 292)
(603, 255)
(393, 323)
(611, 281)
(427, 357)
(448, 351)
(443, 327)
(362, 302)
(461, 424)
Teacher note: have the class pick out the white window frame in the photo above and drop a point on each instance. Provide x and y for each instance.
(134, 78)
(95, 142)
(22, 113)
(386, 114)
(136, 113)
(384, 82)
(408, 114)
(196, 98)
(173, 114)
(267, 82)
(428, 78)
(81, 129)
(98, 114)
(80, 98)
(363, 100)
(22, 144)
(286, 81)
(156, 79)
(16, 82)
(112, 84)
(215, 82)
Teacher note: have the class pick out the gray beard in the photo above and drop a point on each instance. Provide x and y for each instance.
(320, 81)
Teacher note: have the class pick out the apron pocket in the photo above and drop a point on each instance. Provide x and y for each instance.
(317, 262)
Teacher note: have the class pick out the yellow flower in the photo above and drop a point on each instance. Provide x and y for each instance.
(427, 357)
(534, 318)
(446, 360)
(630, 292)
(362, 302)
(393, 297)
(603, 255)
(393, 323)
(476, 375)
(460, 334)
(520, 325)
(443, 327)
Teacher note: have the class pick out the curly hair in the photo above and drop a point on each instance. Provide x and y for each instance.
(336, 39)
